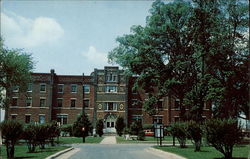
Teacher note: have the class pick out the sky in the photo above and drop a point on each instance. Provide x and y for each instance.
(72, 37)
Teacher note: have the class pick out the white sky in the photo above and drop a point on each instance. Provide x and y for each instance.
(72, 37)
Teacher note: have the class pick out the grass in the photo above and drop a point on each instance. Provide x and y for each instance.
(76, 140)
(239, 152)
(21, 152)
(149, 140)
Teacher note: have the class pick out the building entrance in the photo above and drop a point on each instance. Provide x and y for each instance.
(109, 122)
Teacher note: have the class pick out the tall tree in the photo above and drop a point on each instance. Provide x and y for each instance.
(15, 71)
(195, 51)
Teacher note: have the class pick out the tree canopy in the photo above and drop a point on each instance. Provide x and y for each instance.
(195, 51)
(15, 71)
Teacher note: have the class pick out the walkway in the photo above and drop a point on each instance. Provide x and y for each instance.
(109, 140)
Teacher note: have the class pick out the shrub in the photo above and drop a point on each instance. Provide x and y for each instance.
(223, 134)
(141, 135)
(148, 126)
(42, 134)
(179, 130)
(135, 128)
(30, 135)
(194, 131)
(126, 131)
(119, 125)
(11, 132)
(67, 129)
(99, 127)
(82, 121)
(53, 131)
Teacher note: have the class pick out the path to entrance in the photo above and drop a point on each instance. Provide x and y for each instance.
(109, 140)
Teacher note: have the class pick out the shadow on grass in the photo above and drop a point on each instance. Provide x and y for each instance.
(25, 157)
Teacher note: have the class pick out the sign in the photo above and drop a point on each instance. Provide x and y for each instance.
(159, 131)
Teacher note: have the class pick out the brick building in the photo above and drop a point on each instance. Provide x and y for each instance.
(105, 94)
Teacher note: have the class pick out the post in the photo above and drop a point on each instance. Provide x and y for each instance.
(83, 134)
(160, 135)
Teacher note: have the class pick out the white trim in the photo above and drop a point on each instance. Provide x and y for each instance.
(13, 114)
(71, 88)
(40, 87)
(27, 114)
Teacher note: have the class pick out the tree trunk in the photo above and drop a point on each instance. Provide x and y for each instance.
(7, 103)
(197, 146)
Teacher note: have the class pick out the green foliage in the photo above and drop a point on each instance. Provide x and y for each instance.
(30, 135)
(136, 128)
(119, 125)
(195, 132)
(81, 122)
(223, 134)
(67, 129)
(179, 130)
(15, 70)
(141, 135)
(99, 127)
(197, 51)
(148, 126)
(11, 132)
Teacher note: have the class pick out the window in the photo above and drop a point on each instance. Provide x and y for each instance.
(73, 102)
(42, 102)
(13, 116)
(111, 77)
(111, 89)
(27, 118)
(111, 106)
(136, 118)
(59, 102)
(29, 87)
(86, 88)
(15, 89)
(42, 87)
(28, 101)
(60, 88)
(176, 119)
(14, 101)
(177, 104)
(41, 119)
(73, 88)
(62, 119)
(158, 119)
(160, 105)
(86, 102)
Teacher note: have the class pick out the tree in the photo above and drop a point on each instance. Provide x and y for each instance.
(81, 126)
(179, 130)
(223, 134)
(99, 127)
(195, 132)
(11, 131)
(30, 136)
(15, 71)
(197, 52)
(119, 125)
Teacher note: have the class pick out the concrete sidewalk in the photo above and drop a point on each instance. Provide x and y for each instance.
(109, 140)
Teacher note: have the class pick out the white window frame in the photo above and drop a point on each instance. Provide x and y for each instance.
(57, 102)
(16, 102)
(115, 104)
(44, 102)
(62, 88)
(86, 85)
(71, 88)
(40, 87)
(30, 102)
(112, 91)
(71, 100)
(39, 118)
(30, 84)
(61, 119)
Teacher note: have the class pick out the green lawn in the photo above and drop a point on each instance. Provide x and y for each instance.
(21, 151)
(240, 152)
(76, 140)
(148, 139)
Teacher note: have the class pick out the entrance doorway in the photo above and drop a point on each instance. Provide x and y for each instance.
(110, 123)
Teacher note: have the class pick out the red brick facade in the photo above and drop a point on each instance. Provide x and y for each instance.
(105, 94)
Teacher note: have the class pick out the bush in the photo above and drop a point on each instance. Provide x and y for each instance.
(53, 131)
(82, 121)
(126, 131)
(119, 125)
(179, 130)
(135, 128)
(67, 129)
(30, 135)
(11, 132)
(99, 127)
(42, 134)
(148, 126)
(195, 133)
(141, 135)
(223, 134)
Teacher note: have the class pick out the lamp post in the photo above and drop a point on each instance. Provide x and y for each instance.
(83, 134)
